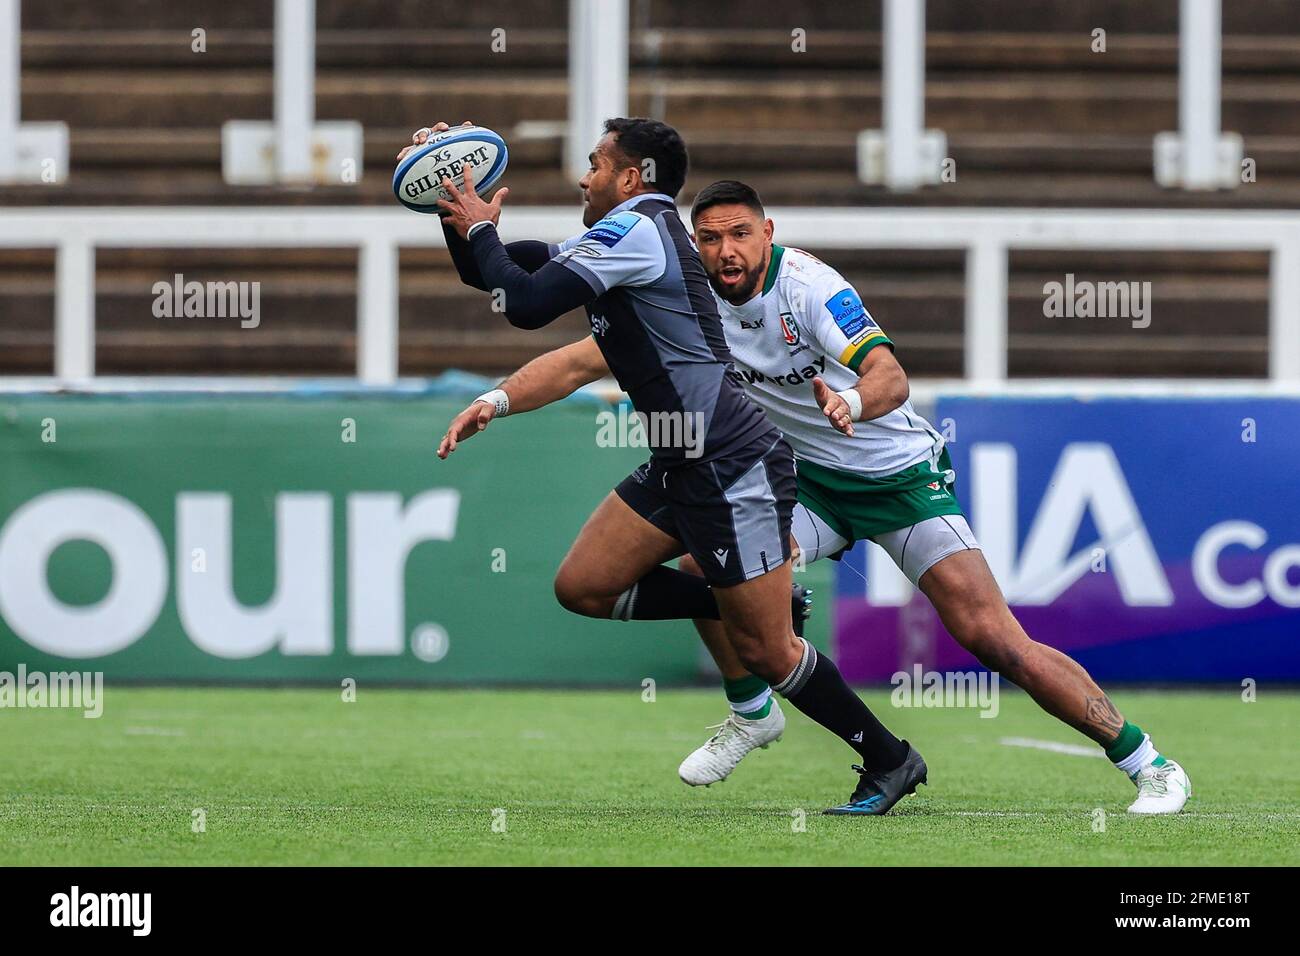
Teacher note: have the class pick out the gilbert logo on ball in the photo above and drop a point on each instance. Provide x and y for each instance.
(417, 181)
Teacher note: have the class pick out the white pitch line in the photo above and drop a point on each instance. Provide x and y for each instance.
(153, 732)
(1074, 750)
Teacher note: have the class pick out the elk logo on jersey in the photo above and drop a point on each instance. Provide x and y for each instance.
(789, 328)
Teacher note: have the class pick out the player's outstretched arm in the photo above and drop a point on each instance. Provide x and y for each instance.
(529, 254)
(532, 299)
(555, 375)
(881, 388)
(547, 378)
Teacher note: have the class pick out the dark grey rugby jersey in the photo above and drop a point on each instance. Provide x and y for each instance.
(658, 327)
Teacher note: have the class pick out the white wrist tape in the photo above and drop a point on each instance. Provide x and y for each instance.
(499, 398)
(854, 398)
(469, 233)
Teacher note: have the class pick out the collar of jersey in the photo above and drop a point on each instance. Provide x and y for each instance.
(639, 197)
(773, 267)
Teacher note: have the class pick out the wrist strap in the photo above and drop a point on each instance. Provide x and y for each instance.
(497, 397)
(469, 233)
(854, 398)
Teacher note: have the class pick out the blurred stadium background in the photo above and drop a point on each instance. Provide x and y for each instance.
(182, 498)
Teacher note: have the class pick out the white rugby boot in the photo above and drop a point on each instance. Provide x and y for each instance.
(1162, 789)
(736, 737)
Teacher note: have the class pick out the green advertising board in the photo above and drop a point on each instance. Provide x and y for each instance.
(308, 537)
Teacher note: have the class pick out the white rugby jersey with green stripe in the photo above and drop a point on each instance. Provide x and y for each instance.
(809, 321)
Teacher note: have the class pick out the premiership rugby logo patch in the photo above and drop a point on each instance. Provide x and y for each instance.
(611, 230)
(849, 313)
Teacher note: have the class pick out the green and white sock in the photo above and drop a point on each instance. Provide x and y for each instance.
(1133, 751)
(750, 697)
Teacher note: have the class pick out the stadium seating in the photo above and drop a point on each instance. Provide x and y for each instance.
(1033, 118)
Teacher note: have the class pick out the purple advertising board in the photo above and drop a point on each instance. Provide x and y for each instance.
(1153, 540)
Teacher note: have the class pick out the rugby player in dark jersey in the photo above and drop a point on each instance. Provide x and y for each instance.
(720, 482)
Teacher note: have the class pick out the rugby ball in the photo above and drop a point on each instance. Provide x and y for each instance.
(417, 182)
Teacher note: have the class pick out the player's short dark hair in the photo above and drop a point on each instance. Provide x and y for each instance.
(726, 192)
(640, 139)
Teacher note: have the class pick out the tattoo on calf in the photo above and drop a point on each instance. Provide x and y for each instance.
(1100, 712)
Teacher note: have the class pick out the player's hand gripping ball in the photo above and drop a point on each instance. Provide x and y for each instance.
(433, 168)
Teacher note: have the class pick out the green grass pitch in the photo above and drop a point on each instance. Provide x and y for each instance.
(297, 776)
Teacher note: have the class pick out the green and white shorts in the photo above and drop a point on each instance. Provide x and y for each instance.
(912, 514)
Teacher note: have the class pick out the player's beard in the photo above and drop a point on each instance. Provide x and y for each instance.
(742, 292)
(596, 208)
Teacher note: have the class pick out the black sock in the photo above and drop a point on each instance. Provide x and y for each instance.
(666, 594)
(818, 690)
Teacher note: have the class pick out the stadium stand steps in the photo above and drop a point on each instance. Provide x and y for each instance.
(1033, 118)
(685, 51)
(1157, 16)
(308, 314)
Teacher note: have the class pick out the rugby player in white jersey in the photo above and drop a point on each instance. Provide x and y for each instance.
(807, 350)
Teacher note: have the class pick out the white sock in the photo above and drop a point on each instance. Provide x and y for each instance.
(1140, 758)
(749, 706)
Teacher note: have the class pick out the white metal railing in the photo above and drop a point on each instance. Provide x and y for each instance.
(10, 87)
(29, 152)
(598, 38)
(903, 85)
(1199, 78)
(904, 154)
(295, 88)
(293, 148)
(985, 235)
(1199, 155)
